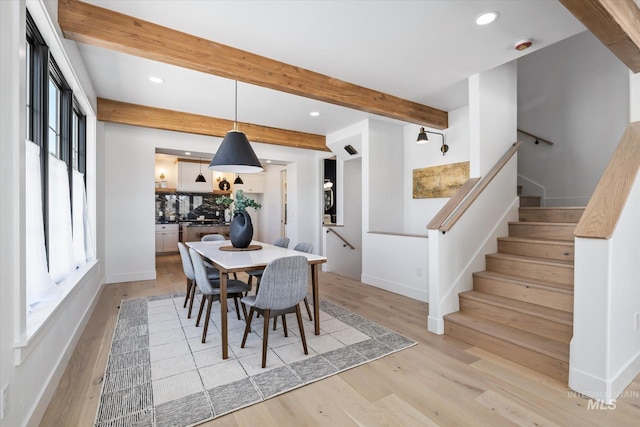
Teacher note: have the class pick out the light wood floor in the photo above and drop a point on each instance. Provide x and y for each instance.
(440, 381)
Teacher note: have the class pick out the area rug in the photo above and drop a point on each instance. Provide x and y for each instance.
(159, 373)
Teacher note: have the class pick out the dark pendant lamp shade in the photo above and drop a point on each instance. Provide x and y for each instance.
(238, 180)
(422, 137)
(200, 177)
(235, 155)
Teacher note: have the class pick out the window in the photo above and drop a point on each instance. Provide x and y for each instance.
(56, 126)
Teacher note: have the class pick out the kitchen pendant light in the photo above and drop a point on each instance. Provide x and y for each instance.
(235, 153)
(238, 180)
(200, 177)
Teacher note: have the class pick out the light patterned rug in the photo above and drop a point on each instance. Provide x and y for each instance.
(160, 374)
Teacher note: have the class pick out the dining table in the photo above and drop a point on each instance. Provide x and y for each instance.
(227, 259)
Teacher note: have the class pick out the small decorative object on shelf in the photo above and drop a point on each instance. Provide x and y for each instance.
(241, 230)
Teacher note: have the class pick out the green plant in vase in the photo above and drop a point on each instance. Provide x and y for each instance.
(241, 230)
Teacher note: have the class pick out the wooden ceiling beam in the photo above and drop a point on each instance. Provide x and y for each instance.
(97, 26)
(616, 23)
(158, 118)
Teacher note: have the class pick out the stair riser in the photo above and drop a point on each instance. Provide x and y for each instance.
(526, 322)
(524, 268)
(540, 296)
(539, 362)
(529, 201)
(538, 250)
(551, 231)
(551, 215)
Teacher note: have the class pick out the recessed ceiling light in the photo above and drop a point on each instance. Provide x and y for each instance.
(187, 153)
(314, 114)
(268, 161)
(487, 18)
(156, 79)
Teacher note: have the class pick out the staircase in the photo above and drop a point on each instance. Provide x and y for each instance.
(521, 307)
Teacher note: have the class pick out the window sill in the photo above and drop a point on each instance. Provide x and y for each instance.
(39, 319)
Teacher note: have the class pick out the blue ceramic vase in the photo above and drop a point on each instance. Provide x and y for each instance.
(241, 230)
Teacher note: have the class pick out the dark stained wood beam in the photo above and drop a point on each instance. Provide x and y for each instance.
(97, 26)
(158, 118)
(615, 22)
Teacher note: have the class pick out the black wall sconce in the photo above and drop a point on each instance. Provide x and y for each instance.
(349, 149)
(423, 139)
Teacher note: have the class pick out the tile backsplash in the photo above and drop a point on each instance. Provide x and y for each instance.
(185, 206)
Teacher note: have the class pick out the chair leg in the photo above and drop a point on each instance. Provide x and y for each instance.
(186, 297)
(208, 316)
(200, 311)
(193, 296)
(306, 304)
(235, 301)
(265, 338)
(304, 340)
(248, 327)
(275, 322)
(244, 311)
(284, 325)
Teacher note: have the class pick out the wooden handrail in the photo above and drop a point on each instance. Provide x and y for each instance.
(466, 202)
(452, 204)
(341, 238)
(538, 138)
(603, 210)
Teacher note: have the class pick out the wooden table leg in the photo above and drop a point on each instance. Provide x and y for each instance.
(223, 313)
(316, 298)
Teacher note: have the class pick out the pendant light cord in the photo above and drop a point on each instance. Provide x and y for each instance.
(235, 119)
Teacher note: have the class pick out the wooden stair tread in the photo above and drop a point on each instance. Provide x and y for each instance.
(552, 207)
(537, 240)
(525, 339)
(525, 281)
(556, 224)
(546, 261)
(541, 311)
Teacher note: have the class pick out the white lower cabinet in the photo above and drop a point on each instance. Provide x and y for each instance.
(167, 238)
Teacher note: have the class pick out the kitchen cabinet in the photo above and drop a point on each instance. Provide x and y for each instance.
(187, 174)
(166, 238)
(193, 233)
(252, 183)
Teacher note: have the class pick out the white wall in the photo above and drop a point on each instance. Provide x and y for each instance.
(574, 93)
(492, 116)
(383, 152)
(634, 96)
(270, 213)
(605, 349)
(418, 212)
(128, 162)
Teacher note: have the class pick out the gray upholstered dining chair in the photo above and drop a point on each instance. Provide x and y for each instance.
(211, 290)
(212, 237)
(305, 247)
(283, 287)
(187, 268)
(282, 242)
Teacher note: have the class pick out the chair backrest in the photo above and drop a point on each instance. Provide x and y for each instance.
(212, 237)
(305, 247)
(283, 283)
(283, 242)
(187, 266)
(201, 273)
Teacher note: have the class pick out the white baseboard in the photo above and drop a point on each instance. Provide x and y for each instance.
(131, 277)
(604, 390)
(398, 288)
(436, 325)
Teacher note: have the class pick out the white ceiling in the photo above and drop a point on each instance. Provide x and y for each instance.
(418, 50)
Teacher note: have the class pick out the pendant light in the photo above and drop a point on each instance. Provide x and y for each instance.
(238, 180)
(235, 153)
(200, 177)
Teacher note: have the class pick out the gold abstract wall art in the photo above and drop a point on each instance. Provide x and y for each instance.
(439, 181)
